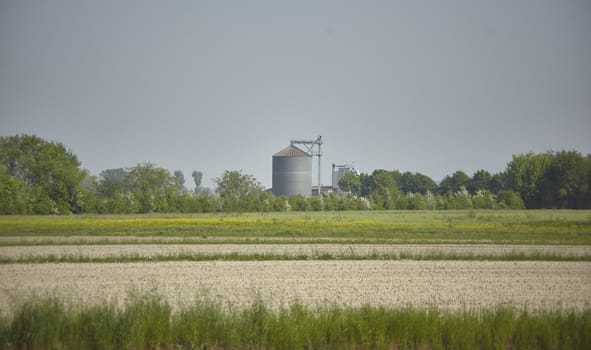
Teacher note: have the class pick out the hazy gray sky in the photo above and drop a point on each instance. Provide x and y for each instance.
(427, 86)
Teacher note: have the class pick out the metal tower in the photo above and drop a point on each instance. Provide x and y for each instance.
(309, 145)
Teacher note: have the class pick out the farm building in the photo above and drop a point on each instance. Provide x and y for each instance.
(292, 172)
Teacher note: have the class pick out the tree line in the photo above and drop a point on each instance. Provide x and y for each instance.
(551, 180)
(44, 177)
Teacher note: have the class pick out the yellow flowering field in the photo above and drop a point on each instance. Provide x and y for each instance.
(534, 227)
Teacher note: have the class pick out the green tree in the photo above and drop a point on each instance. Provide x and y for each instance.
(416, 183)
(179, 180)
(111, 182)
(524, 173)
(238, 191)
(366, 184)
(115, 175)
(153, 188)
(509, 199)
(498, 182)
(566, 182)
(197, 177)
(484, 199)
(351, 183)
(454, 183)
(49, 173)
(460, 199)
(416, 201)
(480, 181)
(88, 198)
(13, 194)
(385, 192)
(114, 196)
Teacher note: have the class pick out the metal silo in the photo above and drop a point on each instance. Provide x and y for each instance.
(292, 172)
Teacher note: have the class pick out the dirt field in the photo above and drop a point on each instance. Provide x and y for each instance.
(97, 251)
(446, 284)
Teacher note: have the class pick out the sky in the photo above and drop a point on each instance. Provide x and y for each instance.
(421, 86)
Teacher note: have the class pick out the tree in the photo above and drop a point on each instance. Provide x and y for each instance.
(565, 183)
(112, 182)
(13, 194)
(416, 201)
(366, 184)
(117, 175)
(47, 172)
(509, 199)
(238, 191)
(459, 199)
(484, 199)
(351, 183)
(480, 181)
(385, 191)
(197, 177)
(524, 173)
(454, 183)
(114, 195)
(498, 182)
(152, 187)
(416, 183)
(236, 184)
(179, 179)
(88, 198)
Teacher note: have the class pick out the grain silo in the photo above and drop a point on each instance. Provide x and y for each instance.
(292, 172)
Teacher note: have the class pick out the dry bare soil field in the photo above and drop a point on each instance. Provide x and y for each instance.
(443, 284)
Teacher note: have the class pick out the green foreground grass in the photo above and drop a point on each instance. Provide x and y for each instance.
(493, 226)
(148, 322)
(430, 256)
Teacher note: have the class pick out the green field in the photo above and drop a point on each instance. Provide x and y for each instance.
(487, 226)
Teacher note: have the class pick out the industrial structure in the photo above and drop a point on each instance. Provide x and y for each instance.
(292, 172)
(310, 144)
(338, 171)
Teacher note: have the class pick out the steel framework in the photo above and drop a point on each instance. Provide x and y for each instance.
(309, 145)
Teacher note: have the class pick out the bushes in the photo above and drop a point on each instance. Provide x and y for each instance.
(267, 202)
(509, 200)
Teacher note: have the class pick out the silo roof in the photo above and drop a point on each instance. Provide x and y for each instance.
(291, 151)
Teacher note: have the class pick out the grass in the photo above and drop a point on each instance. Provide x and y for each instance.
(494, 226)
(148, 322)
(130, 240)
(321, 256)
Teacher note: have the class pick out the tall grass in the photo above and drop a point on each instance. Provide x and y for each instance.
(147, 321)
(320, 256)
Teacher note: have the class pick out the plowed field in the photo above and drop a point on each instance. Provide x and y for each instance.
(445, 284)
